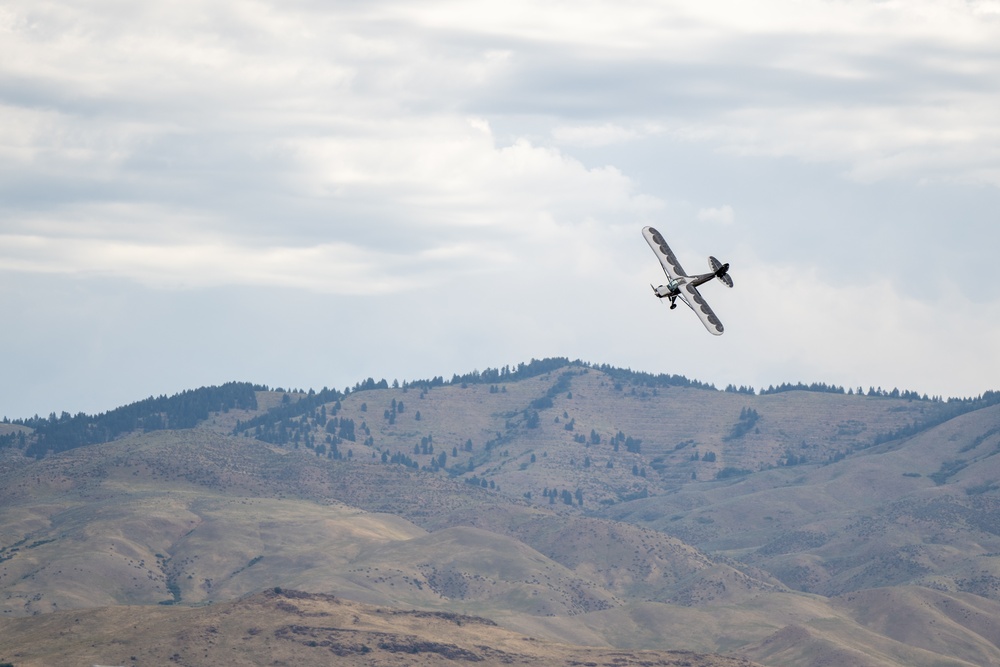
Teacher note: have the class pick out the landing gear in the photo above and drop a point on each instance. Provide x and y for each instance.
(672, 294)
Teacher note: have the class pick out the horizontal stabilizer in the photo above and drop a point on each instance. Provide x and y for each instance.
(721, 271)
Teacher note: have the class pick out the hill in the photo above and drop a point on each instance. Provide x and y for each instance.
(578, 504)
(291, 627)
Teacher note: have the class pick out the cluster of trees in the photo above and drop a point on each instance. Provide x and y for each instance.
(17, 439)
(312, 405)
(332, 451)
(424, 447)
(395, 408)
(633, 445)
(522, 371)
(617, 441)
(534, 368)
(661, 380)
(565, 496)
(475, 480)
(401, 459)
(343, 428)
(748, 420)
(822, 387)
(184, 410)
(490, 376)
(299, 430)
(370, 384)
(531, 417)
(792, 459)
(945, 411)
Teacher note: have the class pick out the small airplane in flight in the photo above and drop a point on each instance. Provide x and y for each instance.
(684, 286)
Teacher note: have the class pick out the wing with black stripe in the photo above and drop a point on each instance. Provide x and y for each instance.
(693, 298)
(663, 253)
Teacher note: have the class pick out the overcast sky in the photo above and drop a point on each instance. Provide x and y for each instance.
(306, 194)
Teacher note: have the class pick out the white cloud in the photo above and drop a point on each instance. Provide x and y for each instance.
(723, 215)
(448, 171)
(866, 334)
(513, 150)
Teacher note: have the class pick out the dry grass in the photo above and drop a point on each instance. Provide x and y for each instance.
(203, 517)
(291, 628)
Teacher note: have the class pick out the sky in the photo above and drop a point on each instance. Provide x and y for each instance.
(306, 194)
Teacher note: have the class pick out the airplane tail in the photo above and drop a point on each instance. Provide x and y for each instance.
(721, 271)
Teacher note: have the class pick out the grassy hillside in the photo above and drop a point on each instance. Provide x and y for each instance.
(923, 510)
(577, 504)
(580, 428)
(290, 627)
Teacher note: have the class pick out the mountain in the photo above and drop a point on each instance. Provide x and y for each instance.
(574, 503)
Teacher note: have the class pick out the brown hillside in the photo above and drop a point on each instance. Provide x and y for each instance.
(923, 510)
(785, 527)
(302, 629)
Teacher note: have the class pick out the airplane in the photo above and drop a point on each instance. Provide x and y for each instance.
(684, 286)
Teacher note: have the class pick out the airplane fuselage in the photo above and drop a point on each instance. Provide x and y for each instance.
(673, 288)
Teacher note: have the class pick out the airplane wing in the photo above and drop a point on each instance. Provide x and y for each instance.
(663, 253)
(693, 298)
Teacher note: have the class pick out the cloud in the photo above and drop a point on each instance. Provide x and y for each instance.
(722, 215)
(592, 135)
(877, 335)
(503, 156)
(448, 199)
